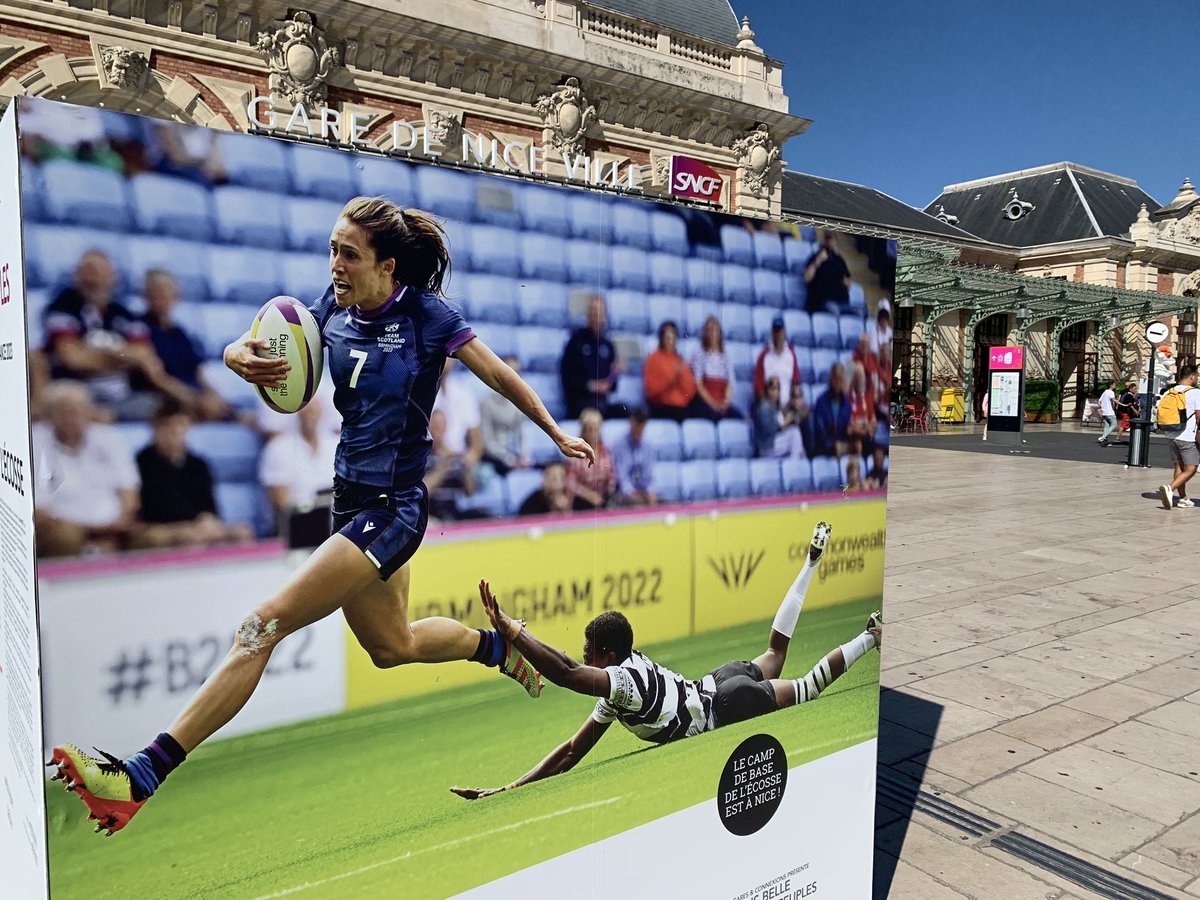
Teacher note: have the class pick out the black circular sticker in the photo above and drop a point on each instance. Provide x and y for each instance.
(752, 784)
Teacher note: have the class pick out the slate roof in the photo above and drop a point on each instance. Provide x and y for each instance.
(710, 19)
(826, 198)
(1071, 202)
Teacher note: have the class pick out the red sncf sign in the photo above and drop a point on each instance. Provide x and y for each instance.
(692, 178)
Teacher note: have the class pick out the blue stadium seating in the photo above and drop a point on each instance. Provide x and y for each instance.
(231, 388)
(309, 220)
(761, 318)
(613, 431)
(699, 439)
(766, 477)
(54, 252)
(628, 311)
(539, 348)
(797, 476)
(519, 484)
(665, 308)
(799, 327)
(188, 262)
(305, 275)
(664, 438)
(549, 388)
(253, 162)
(239, 502)
(249, 216)
(539, 448)
(458, 243)
(590, 215)
(494, 251)
(827, 474)
(319, 173)
(501, 338)
(858, 299)
(795, 294)
(769, 288)
(541, 258)
(543, 303)
(695, 314)
(545, 209)
(135, 435)
(796, 254)
(629, 269)
(743, 396)
(703, 278)
(631, 225)
(666, 481)
(88, 195)
(733, 478)
(737, 246)
(36, 300)
(698, 480)
(666, 273)
(493, 298)
(851, 328)
(734, 438)
(768, 251)
(447, 192)
(171, 206)
(822, 361)
(589, 263)
(223, 323)
(495, 204)
(668, 233)
(243, 275)
(808, 233)
(742, 355)
(808, 374)
(490, 499)
(737, 284)
(825, 331)
(736, 323)
(381, 177)
(231, 450)
(630, 391)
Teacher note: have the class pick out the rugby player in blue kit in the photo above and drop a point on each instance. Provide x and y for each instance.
(388, 333)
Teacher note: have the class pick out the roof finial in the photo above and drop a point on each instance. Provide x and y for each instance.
(746, 37)
(1186, 191)
(1143, 214)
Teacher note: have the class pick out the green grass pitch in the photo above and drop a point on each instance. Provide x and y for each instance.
(358, 804)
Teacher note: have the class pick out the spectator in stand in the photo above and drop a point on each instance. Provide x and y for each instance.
(714, 373)
(57, 131)
(464, 438)
(178, 351)
(777, 359)
(777, 426)
(553, 497)
(90, 337)
(594, 484)
(879, 333)
(192, 153)
(831, 416)
(86, 492)
(633, 461)
(861, 430)
(296, 467)
(177, 503)
(827, 276)
(444, 481)
(854, 480)
(500, 426)
(589, 366)
(669, 384)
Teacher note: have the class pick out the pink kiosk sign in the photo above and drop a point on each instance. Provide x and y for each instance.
(1006, 394)
(1006, 358)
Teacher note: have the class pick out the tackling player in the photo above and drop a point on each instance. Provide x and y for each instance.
(388, 333)
(656, 704)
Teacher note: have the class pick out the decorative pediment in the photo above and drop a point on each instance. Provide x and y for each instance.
(300, 59)
(121, 64)
(567, 115)
(758, 160)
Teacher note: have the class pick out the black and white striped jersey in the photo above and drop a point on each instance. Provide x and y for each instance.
(654, 703)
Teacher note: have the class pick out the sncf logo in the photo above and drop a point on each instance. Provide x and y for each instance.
(736, 569)
(701, 184)
(692, 178)
(5, 287)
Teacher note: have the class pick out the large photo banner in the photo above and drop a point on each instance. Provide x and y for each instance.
(631, 454)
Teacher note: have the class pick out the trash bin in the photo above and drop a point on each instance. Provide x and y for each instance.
(1139, 443)
(953, 405)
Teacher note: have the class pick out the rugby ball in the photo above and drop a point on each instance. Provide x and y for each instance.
(291, 333)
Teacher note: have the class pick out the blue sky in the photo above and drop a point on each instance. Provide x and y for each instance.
(910, 96)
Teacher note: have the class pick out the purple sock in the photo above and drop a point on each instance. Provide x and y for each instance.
(491, 649)
(150, 767)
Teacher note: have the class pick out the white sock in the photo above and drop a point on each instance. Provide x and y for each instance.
(810, 686)
(853, 651)
(793, 600)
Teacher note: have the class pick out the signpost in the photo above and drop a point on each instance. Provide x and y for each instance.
(1006, 395)
(1139, 429)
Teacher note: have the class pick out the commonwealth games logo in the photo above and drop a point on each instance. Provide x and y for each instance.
(736, 569)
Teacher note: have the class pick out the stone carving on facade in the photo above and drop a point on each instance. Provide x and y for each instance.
(124, 68)
(661, 163)
(300, 59)
(757, 159)
(1189, 285)
(1186, 229)
(444, 128)
(567, 115)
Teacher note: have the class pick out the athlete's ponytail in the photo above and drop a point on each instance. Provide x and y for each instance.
(413, 238)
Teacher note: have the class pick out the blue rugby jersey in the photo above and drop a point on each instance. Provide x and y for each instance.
(386, 365)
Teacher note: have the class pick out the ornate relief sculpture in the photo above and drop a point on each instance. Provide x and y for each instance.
(757, 159)
(444, 128)
(300, 60)
(124, 68)
(567, 115)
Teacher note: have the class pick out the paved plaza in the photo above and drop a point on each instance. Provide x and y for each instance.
(1040, 713)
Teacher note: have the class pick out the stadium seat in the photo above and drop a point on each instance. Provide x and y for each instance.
(703, 277)
(545, 209)
(629, 269)
(229, 385)
(825, 331)
(666, 481)
(631, 224)
(858, 299)
(496, 203)
(221, 324)
(186, 261)
(588, 263)
(82, 194)
(493, 298)
(808, 233)
(797, 476)
(827, 474)
(799, 327)
(458, 242)
(699, 439)
(249, 216)
(135, 435)
(540, 349)
(768, 251)
(664, 308)
(808, 374)
(734, 438)
(737, 284)
(766, 477)
(733, 478)
(761, 318)
(318, 172)
(494, 251)
(668, 233)
(242, 275)
(305, 275)
(33, 189)
(538, 447)
(255, 162)
(630, 391)
(736, 323)
(743, 396)
(489, 500)
(377, 176)
(628, 311)
(795, 294)
(823, 361)
(796, 255)
(695, 314)
(539, 259)
(543, 303)
(666, 273)
(768, 288)
(590, 215)
(500, 337)
(447, 191)
(36, 301)
(309, 220)
(164, 205)
(851, 328)
(698, 480)
(240, 502)
(231, 450)
(519, 484)
(613, 430)
(742, 355)
(664, 438)
(549, 389)
(737, 246)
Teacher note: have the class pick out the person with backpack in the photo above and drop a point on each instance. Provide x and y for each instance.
(1176, 419)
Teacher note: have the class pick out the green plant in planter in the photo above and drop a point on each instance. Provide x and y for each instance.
(1043, 401)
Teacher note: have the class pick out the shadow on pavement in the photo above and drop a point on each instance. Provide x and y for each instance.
(1042, 444)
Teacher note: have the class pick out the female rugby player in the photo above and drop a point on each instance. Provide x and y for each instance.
(388, 333)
